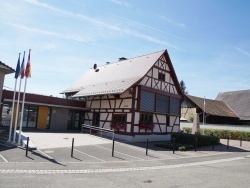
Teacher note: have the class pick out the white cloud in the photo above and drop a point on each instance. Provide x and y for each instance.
(242, 51)
(103, 24)
(122, 3)
(146, 26)
(44, 32)
(173, 22)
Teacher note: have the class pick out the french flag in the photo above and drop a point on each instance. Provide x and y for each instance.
(22, 71)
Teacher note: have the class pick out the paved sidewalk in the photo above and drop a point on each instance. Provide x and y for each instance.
(59, 140)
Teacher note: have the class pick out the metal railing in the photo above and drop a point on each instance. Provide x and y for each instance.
(90, 127)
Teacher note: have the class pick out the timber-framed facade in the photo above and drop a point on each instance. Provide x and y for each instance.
(139, 98)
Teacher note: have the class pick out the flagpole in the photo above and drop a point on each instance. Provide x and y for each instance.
(18, 100)
(21, 121)
(17, 112)
(25, 73)
(204, 110)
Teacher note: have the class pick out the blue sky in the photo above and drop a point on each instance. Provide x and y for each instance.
(208, 40)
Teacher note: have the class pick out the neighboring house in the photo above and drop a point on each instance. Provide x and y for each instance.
(216, 112)
(44, 112)
(239, 102)
(139, 98)
(4, 69)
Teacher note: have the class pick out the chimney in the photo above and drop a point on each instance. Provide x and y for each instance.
(122, 58)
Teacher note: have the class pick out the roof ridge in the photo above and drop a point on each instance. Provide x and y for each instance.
(130, 58)
(234, 91)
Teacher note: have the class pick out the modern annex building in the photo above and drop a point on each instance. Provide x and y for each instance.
(43, 112)
(139, 98)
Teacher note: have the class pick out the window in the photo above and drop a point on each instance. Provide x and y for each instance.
(118, 122)
(119, 118)
(161, 76)
(146, 118)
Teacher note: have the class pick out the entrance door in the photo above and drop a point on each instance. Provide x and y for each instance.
(75, 119)
(96, 119)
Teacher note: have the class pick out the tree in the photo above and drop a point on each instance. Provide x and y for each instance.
(183, 87)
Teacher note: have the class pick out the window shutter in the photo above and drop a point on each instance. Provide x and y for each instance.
(162, 102)
(174, 106)
(147, 101)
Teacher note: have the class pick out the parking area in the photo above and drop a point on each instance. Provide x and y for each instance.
(57, 148)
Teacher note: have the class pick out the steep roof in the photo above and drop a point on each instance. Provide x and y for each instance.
(239, 101)
(116, 78)
(5, 68)
(213, 107)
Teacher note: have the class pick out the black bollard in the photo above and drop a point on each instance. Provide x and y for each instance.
(113, 147)
(72, 148)
(173, 145)
(241, 141)
(147, 148)
(27, 146)
(212, 141)
(227, 142)
(195, 144)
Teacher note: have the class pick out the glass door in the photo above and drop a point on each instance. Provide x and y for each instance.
(30, 116)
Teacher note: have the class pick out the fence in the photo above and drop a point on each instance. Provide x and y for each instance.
(101, 130)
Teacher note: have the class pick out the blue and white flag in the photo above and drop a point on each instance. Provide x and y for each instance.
(17, 73)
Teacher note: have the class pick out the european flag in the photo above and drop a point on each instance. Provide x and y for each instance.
(17, 73)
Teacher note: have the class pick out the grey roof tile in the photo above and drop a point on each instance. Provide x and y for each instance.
(213, 107)
(239, 101)
(114, 78)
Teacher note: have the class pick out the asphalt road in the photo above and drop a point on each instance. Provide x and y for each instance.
(233, 172)
(94, 166)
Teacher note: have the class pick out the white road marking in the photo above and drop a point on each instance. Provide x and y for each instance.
(120, 153)
(89, 155)
(51, 158)
(3, 158)
(87, 171)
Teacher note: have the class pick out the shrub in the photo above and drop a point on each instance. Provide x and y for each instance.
(224, 134)
(170, 145)
(189, 139)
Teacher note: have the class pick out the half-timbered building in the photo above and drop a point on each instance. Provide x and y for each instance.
(139, 98)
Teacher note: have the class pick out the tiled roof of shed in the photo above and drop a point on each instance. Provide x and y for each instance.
(239, 101)
(213, 107)
(5, 68)
(114, 78)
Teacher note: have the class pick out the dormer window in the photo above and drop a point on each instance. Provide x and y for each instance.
(161, 76)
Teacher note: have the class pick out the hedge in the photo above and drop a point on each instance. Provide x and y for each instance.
(202, 140)
(184, 141)
(224, 134)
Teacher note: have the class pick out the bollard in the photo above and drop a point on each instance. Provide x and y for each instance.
(173, 145)
(113, 147)
(212, 141)
(227, 142)
(147, 148)
(241, 141)
(27, 146)
(195, 144)
(72, 148)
